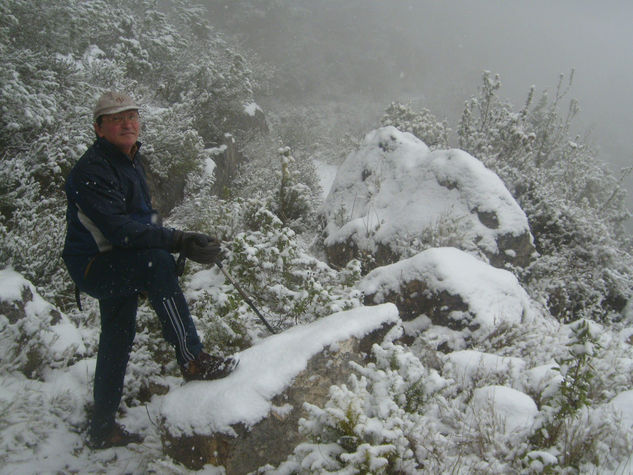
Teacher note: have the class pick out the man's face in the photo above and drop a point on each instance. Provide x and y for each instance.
(120, 129)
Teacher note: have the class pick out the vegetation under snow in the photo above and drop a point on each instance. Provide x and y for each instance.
(194, 83)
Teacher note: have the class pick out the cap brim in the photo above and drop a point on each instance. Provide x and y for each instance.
(115, 110)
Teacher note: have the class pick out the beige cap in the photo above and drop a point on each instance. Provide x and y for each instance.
(113, 102)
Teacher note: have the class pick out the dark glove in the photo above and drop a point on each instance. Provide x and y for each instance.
(198, 247)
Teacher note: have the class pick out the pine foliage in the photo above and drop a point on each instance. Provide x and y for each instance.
(58, 57)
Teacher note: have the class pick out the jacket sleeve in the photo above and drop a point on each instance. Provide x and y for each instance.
(99, 197)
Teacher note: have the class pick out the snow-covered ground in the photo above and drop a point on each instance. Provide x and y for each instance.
(487, 397)
(44, 419)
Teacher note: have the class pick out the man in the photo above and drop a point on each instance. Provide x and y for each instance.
(115, 249)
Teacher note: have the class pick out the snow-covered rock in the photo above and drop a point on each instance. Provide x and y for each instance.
(34, 335)
(394, 192)
(510, 409)
(250, 418)
(452, 288)
(253, 118)
(470, 364)
(622, 404)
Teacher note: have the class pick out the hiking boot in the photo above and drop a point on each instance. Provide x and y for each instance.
(207, 367)
(117, 437)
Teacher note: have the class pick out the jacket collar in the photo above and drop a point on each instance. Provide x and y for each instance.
(113, 151)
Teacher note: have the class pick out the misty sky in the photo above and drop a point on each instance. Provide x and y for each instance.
(433, 52)
(531, 43)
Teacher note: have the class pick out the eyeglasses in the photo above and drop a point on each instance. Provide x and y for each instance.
(120, 118)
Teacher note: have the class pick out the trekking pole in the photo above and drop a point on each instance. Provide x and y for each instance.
(180, 264)
(244, 296)
(180, 267)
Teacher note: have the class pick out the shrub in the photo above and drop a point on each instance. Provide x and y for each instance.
(292, 202)
(372, 424)
(422, 124)
(575, 207)
(568, 425)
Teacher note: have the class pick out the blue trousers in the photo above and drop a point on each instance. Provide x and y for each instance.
(116, 278)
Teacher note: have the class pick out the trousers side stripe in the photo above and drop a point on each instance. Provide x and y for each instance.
(177, 322)
(178, 327)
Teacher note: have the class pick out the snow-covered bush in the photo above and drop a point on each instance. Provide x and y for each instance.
(574, 205)
(293, 200)
(291, 286)
(572, 425)
(422, 124)
(56, 63)
(372, 424)
(32, 220)
(267, 259)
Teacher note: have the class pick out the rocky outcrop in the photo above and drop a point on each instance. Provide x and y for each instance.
(168, 192)
(394, 195)
(227, 159)
(251, 418)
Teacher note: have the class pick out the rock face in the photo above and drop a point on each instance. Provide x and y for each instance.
(394, 194)
(251, 418)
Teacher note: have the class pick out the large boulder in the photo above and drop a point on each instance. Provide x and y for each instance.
(453, 289)
(395, 194)
(250, 418)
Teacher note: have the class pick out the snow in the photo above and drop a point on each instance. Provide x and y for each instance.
(209, 169)
(92, 55)
(11, 285)
(61, 337)
(217, 150)
(251, 109)
(326, 174)
(394, 186)
(492, 295)
(265, 370)
(544, 379)
(623, 404)
(470, 363)
(512, 409)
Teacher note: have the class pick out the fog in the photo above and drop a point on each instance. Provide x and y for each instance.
(434, 52)
(532, 42)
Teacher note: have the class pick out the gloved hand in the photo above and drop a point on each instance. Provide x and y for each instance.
(198, 247)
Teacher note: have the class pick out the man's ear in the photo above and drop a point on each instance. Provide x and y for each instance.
(97, 129)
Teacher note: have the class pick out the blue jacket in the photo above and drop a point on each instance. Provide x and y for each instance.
(109, 206)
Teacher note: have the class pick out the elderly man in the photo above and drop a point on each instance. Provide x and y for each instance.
(115, 249)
